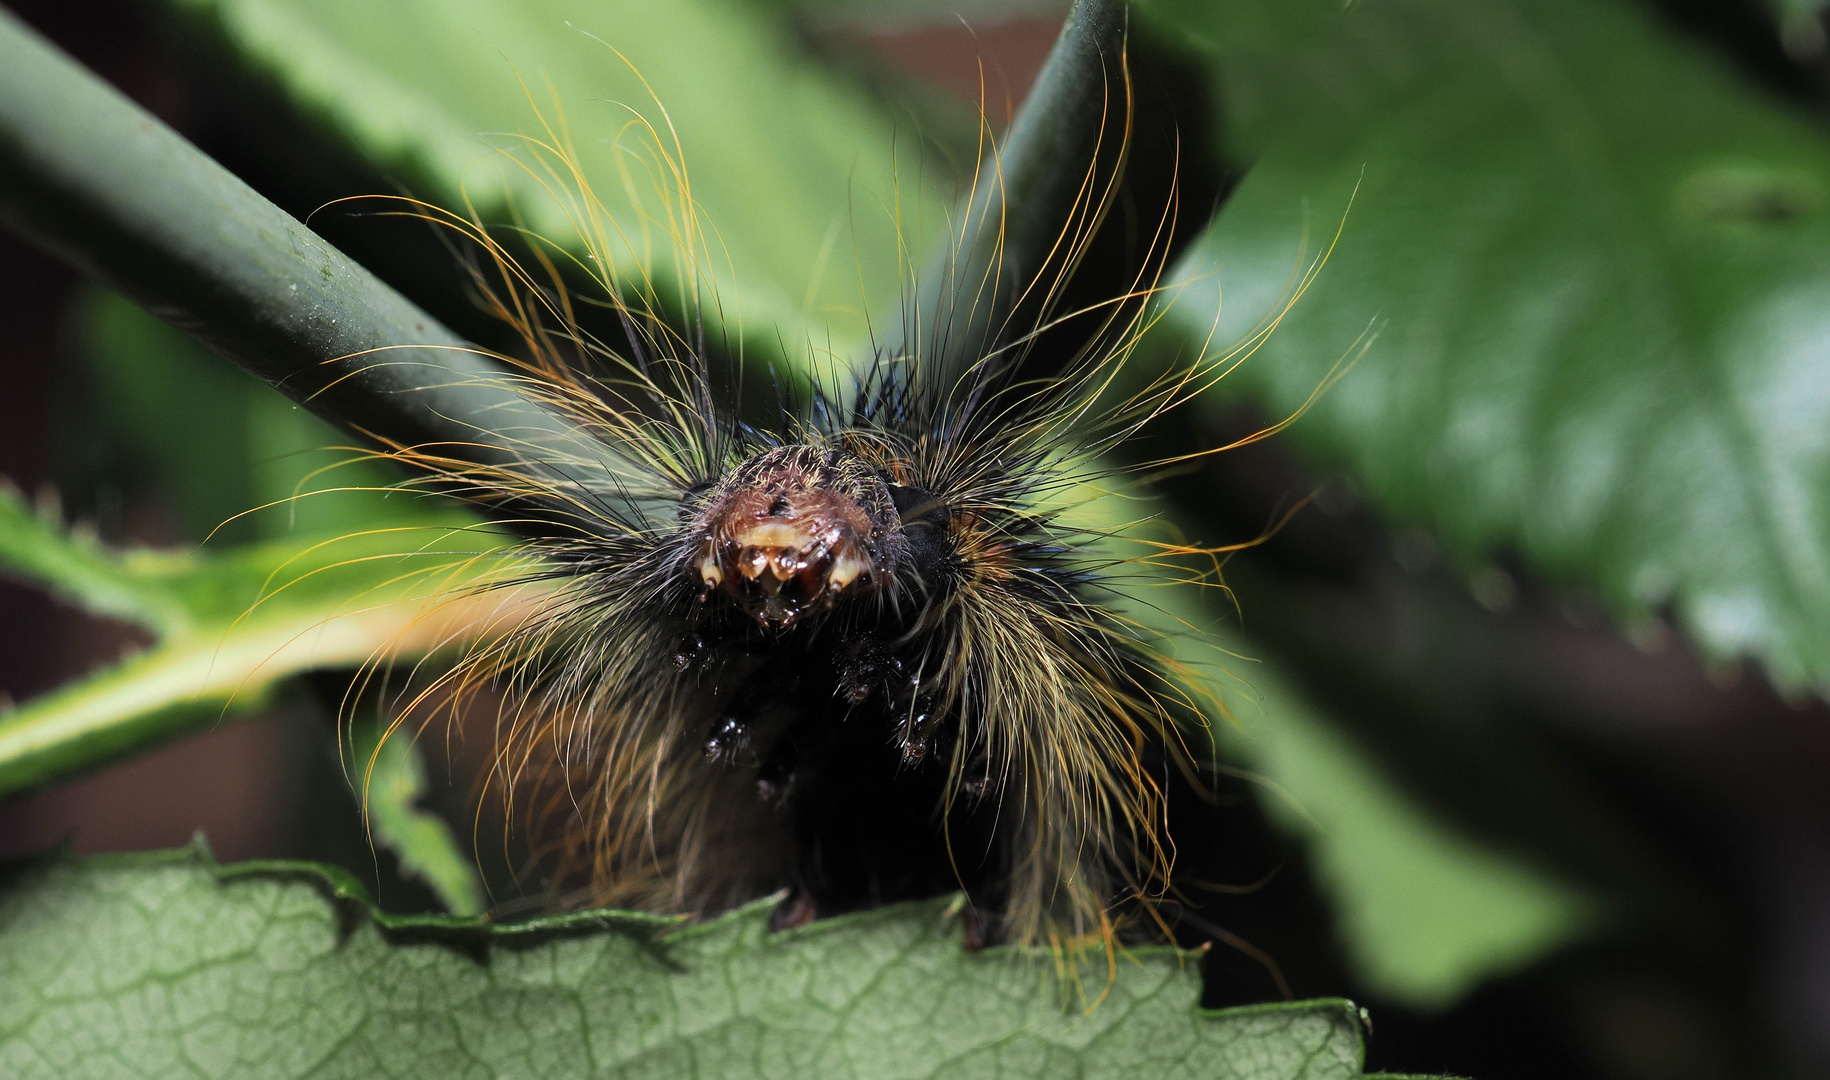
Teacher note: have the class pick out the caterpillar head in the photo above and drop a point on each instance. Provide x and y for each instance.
(796, 529)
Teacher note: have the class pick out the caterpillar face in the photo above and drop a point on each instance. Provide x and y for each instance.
(793, 530)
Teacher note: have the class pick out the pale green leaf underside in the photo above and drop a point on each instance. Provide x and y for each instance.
(167, 965)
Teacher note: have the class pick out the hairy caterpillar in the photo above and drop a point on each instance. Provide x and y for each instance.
(857, 650)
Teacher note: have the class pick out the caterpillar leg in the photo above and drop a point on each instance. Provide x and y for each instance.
(796, 909)
(972, 928)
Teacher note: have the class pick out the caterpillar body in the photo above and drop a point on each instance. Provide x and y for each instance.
(855, 650)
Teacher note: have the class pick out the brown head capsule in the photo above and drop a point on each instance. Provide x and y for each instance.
(795, 528)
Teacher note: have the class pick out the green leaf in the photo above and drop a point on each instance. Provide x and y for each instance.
(36, 549)
(389, 776)
(168, 964)
(793, 170)
(1596, 263)
(230, 628)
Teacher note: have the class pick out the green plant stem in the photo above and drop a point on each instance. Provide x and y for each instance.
(1065, 134)
(97, 180)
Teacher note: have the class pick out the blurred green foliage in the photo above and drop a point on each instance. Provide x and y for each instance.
(1595, 261)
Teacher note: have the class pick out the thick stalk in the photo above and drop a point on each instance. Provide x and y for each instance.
(1058, 153)
(105, 185)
